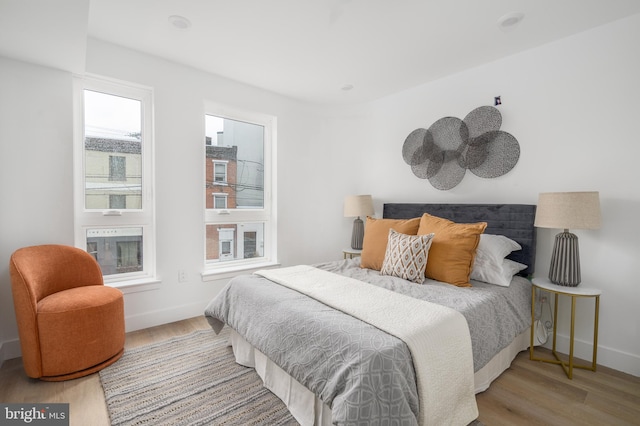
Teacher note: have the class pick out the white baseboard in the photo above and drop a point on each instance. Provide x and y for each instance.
(608, 357)
(163, 316)
(11, 348)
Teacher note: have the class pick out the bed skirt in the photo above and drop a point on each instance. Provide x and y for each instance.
(308, 409)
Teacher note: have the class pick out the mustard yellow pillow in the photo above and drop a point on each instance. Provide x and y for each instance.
(376, 235)
(453, 248)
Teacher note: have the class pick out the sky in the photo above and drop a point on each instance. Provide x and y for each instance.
(111, 115)
(213, 125)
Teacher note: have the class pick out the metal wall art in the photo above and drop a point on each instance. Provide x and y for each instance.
(443, 153)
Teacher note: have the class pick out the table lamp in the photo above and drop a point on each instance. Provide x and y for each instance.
(567, 210)
(356, 206)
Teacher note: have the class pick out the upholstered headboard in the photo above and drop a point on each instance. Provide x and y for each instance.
(511, 220)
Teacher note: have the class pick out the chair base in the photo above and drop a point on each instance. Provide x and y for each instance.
(85, 372)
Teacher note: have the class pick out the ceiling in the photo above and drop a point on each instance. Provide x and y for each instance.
(311, 50)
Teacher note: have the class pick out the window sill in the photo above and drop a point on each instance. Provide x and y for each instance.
(135, 286)
(230, 272)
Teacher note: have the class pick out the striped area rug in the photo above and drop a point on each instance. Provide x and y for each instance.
(188, 380)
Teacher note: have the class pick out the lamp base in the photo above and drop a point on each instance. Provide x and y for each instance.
(565, 260)
(358, 234)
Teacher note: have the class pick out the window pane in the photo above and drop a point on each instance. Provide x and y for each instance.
(117, 250)
(117, 201)
(220, 172)
(112, 150)
(239, 172)
(117, 167)
(219, 202)
(235, 241)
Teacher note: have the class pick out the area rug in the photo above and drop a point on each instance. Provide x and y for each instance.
(188, 380)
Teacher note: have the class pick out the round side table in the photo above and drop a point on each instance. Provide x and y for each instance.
(573, 292)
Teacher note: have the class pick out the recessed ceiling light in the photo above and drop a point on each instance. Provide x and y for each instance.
(510, 20)
(179, 22)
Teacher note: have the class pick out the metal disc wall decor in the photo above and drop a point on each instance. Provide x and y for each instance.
(443, 152)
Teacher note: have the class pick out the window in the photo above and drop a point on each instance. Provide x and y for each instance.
(239, 225)
(219, 172)
(117, 201)
(117, 167)
(129, 254)
(219, 201)
(113, 178)
(250, 246)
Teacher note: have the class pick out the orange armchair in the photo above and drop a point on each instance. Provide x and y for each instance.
(70, 324)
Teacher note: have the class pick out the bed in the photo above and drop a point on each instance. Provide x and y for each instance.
(330, 366)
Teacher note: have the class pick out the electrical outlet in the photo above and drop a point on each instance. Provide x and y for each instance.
(182, 276)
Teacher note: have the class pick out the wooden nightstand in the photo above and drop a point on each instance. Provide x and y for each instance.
(573, 292)
(350, 253)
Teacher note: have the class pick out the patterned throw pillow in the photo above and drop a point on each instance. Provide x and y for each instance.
(406, 256)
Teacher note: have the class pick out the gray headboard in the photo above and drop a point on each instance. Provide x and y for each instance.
(511, 220)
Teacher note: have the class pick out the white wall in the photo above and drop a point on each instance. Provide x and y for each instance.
(36, 200)
(37, 181)
(179, 94)
(574, 107)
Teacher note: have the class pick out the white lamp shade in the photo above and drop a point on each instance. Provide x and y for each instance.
(358, 205)
(568, 210)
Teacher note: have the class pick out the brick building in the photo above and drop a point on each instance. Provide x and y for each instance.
(221, 175)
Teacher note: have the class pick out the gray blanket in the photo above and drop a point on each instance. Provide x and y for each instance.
(362, 373)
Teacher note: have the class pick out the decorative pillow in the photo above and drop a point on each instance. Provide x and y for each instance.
(490, 255)
(495, 248)
(406, 256)
(376, 235)
(453, 248)
(498, 273)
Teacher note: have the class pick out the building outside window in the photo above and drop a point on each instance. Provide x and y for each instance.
(239, 225)
(113, 175)
(112, 181)
(221, 166)
(118, 251)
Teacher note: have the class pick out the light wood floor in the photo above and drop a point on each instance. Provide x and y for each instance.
(529, 393)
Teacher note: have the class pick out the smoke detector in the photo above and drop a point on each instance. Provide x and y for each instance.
(179, 22)
(510, 20)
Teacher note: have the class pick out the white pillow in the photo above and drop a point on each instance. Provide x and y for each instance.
(490, 264)
(496, 247)
(498, 274)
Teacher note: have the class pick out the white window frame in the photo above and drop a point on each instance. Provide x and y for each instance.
(267, 215)
(144, 218)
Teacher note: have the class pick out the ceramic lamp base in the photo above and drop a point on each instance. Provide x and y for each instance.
(358, 234)
(565, 260)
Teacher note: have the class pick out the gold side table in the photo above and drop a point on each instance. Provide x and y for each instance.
(574, 293)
